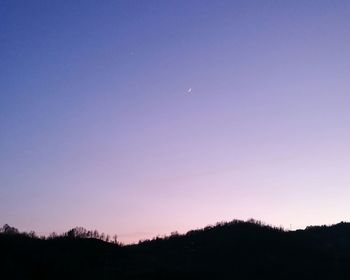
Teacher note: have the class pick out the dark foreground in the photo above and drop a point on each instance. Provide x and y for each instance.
(236, 250)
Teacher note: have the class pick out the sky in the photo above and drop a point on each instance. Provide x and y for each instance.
(144, 117)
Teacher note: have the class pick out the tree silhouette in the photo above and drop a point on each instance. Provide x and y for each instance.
(234, 250)
(6, 229)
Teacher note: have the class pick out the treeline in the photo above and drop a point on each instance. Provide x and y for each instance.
(74, 233)
(217, 226)
(226, 250)
(82, 233)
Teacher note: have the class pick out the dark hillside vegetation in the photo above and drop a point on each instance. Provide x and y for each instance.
(235, 250)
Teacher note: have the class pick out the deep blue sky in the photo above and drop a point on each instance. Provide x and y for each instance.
(97, 127)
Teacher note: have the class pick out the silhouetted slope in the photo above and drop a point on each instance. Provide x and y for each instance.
(30, 258)
(236, 250)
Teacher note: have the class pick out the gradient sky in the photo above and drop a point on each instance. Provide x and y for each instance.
(97, 128)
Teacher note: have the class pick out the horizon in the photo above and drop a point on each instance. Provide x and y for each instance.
(147, 117)
(109, 237)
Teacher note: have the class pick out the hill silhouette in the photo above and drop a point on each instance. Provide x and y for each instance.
(233, 250)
